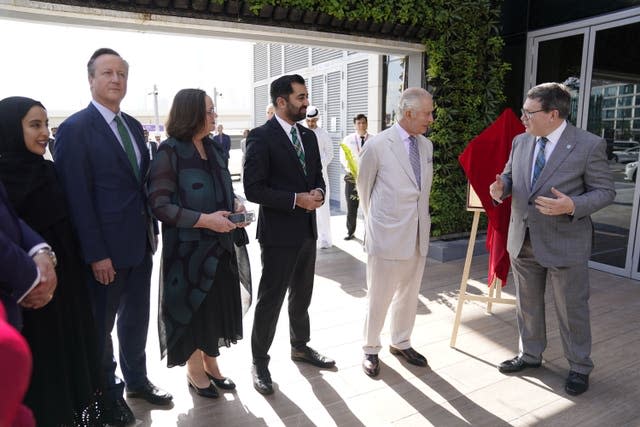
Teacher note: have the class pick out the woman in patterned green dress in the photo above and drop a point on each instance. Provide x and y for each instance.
(192, 195)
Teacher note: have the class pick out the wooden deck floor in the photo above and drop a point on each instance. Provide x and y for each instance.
(461, 386)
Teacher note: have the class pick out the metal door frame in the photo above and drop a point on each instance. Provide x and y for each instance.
(588, 28)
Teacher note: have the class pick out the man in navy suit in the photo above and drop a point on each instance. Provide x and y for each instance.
(27, 265)
(102, 160)
(224, 141)
(283, 173)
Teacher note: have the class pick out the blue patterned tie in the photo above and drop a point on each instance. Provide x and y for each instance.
(414, 158)
(298, 147)
(540, 160)
(128, 147)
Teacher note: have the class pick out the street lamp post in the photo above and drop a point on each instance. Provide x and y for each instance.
(216, 94)
(155, 108)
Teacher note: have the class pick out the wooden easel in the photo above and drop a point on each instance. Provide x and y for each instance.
(495, 288)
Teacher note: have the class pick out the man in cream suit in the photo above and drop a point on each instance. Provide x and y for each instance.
(557, 176)
(394, 182)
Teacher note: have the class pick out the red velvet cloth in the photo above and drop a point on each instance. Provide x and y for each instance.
(15, 372)
(484, 157)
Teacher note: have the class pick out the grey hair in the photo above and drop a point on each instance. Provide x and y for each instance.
(410, 98)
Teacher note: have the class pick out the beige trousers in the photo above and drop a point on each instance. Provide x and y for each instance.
(394, 283)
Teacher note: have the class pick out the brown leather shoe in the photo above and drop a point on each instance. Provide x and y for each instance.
(410, 354)
(371, 365)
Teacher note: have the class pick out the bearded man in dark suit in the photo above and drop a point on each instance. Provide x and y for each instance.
(283, 174)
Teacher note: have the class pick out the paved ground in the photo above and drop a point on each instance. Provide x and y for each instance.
(461, 387)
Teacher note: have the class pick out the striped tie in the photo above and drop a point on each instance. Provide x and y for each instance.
(414, 158)
(540, 160)
(298, 147)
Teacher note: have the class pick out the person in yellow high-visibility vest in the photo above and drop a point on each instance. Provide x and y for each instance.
(349, 154)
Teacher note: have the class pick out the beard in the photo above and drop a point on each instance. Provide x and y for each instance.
(295, 114)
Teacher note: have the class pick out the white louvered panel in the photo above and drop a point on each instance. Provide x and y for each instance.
(334, 116)
(319, 55)
(295, 58)
(357, 92)
(259, 62)
(317, 96)
(275, 57)
(260, 102)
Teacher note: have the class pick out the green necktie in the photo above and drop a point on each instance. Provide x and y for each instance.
(298, 147)
(128, 146)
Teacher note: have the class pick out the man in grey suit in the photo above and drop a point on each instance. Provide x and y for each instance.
(557, 176)
(394, 182)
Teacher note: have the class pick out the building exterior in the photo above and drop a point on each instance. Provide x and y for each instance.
(592, 46)
(341, 84)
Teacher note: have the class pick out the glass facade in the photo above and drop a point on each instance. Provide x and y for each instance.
(600, 63)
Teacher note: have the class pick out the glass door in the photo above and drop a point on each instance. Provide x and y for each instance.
(560, 58)
(614, 81)
(601, 66)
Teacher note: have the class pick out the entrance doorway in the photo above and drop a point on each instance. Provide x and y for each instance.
(600, 63)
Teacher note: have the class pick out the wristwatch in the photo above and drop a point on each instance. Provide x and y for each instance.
(48, 252)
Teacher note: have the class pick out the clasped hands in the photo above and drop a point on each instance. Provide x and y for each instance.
(310, 201)
(43, 292)
(560, 205)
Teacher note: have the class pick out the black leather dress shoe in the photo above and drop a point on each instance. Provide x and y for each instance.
(516, 364)
(118, 413)
(349, 237)
(577, 383)
(262, 380)
(209, 392)
(151, 394)
(410, 354)
(308, 355)
(223, 383)
(371, 365)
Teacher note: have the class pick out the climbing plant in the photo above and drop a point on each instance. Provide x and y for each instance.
(465, 73)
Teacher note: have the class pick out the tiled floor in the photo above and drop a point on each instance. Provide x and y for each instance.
(461, 387)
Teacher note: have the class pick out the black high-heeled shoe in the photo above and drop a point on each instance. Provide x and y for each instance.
(224, 383)
(209, 392)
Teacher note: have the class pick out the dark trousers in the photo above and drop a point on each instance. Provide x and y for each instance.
(283, 268)
(128, 298)
(351, 195)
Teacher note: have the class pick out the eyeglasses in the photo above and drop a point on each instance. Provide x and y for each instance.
(529, 114)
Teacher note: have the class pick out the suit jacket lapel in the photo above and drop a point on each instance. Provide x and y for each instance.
(424, 159)
(283, 138)
(529, 143)
(102, 127)
(398, 149)
(142, 146)
(564, 146)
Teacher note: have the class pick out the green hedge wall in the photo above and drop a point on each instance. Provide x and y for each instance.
(465, 74)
